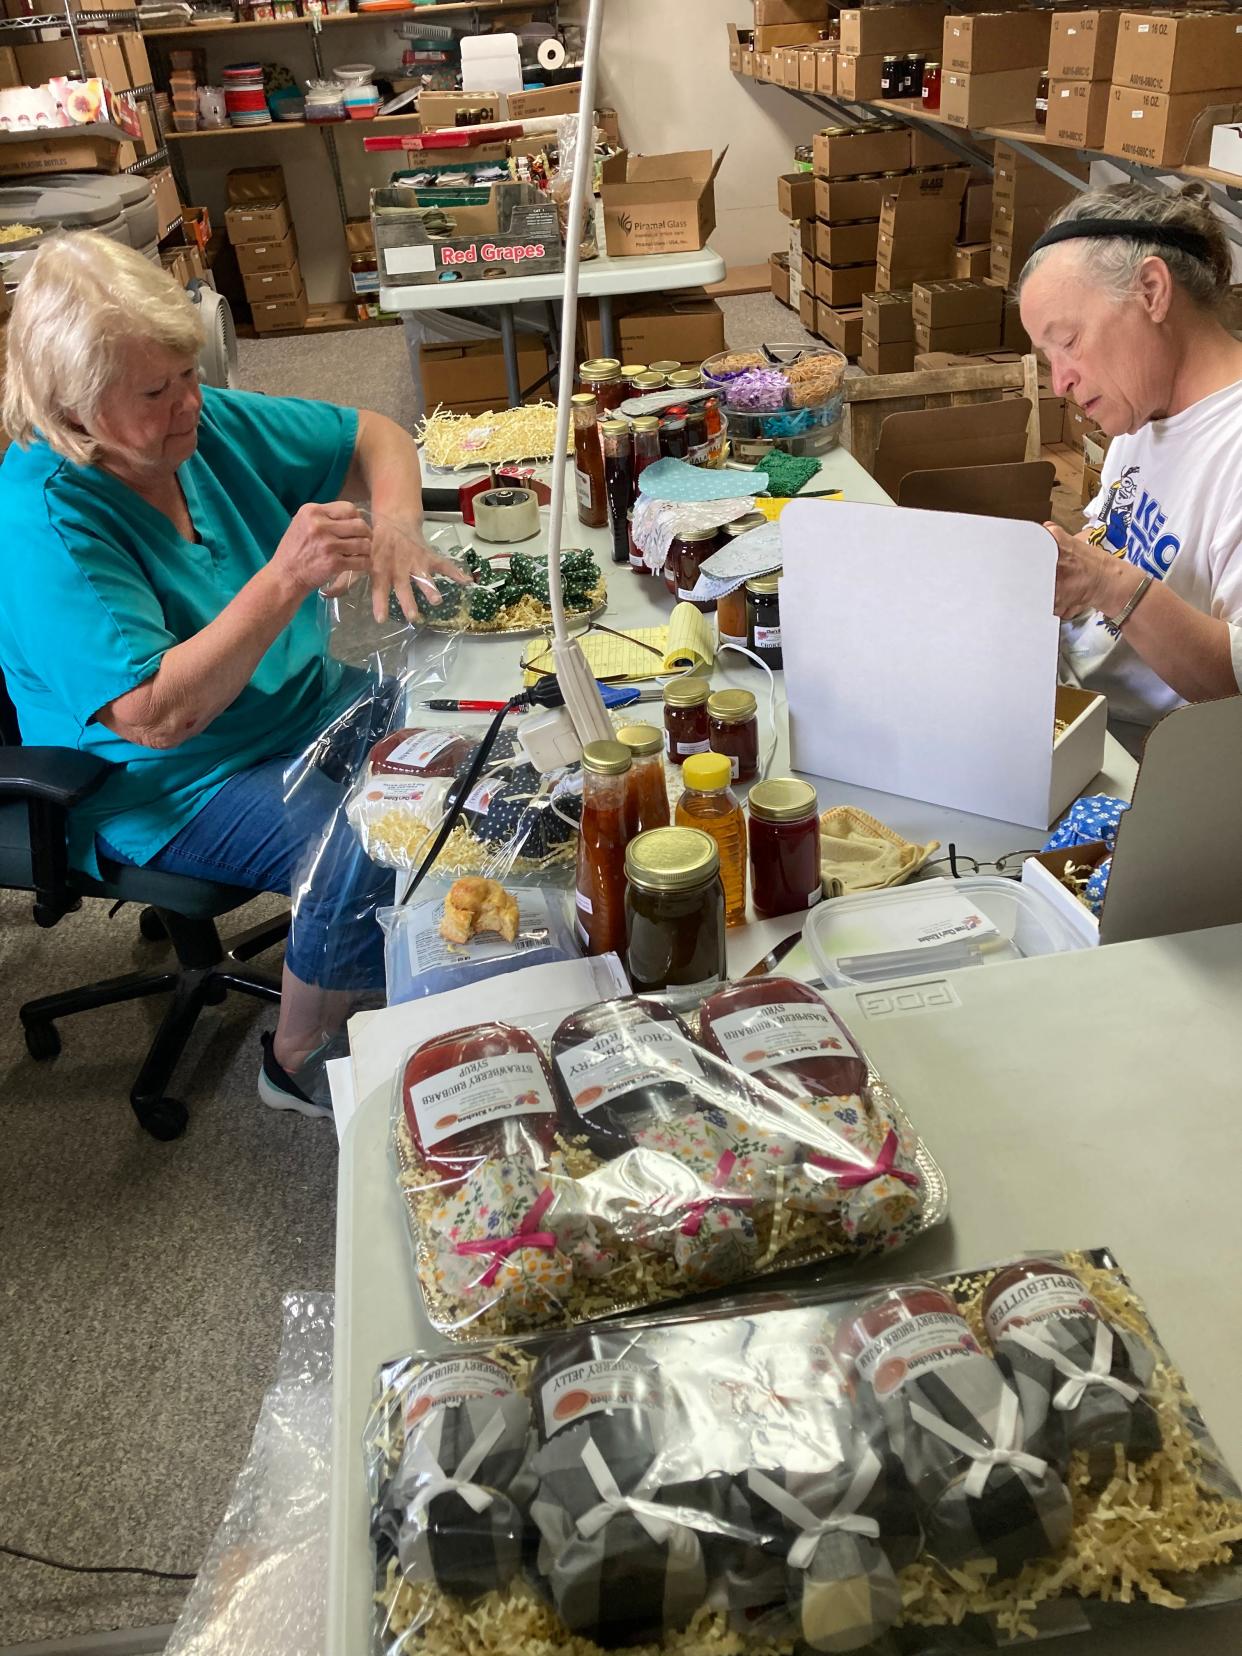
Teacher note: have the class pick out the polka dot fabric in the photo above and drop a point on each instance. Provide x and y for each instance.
(1094, 818)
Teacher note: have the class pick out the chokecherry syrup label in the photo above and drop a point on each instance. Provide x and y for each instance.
(620, 1061)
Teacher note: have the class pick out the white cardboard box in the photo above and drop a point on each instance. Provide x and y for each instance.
(1226, 151)
(1077, 915)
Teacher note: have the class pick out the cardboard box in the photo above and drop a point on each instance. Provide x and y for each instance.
(970, 263)
(888, 318)
(826, 70)
(840, 200)
(806, 309)
(895, 358)
(807, 269)
(976, 223)
(842, 286)
(1078, 426)
(770, 13)
(9, 75)
(273, 284)
(102, 55)
(1043, 874)
(763, 66)
(768, 36)
(167, 201)
(778, 267)
(1017, 180)
(795, 195)
(841, 328)
(1077, 112)
(843, 244)
(1004, 263)
(137, 60)
(922, 202)
(926, 150)
(359, 236)
(249, 186)
(254, 226)
(1019, 228)
(471, 376)
(1155, 127)
(512, 231)
(801, 240)
(440, 110)
(971, 336)
(1194, 52)
(972, 100)
(1226, 151)
(1082, 45)
(530, 106)
(657, 327)
(845, 154)
(149, 138)
(994, 41)
(808, 69)
(271, 315)
(951, 304)
(659, 203)
(858, 76)
(261, 257)
(892, 29)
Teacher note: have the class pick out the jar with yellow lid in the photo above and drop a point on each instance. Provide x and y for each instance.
(674, 915)
(685, 717)
(646, 798)
(785, 873)
(645, 384)
(709, 803)
(733, 729)
(763, 619)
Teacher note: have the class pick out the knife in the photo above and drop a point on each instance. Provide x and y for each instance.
(775, 955)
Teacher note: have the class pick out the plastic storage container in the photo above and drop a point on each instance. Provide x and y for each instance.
(933, 926)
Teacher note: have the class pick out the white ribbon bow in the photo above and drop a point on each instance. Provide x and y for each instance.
(844, 1516)
(1077, 1379)
(1004, 1451)
(613, 1501)
(475, 1497)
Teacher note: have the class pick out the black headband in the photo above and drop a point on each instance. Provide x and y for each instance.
(1095, 229)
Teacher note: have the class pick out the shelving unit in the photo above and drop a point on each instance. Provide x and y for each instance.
(290, 126)
(480, 8)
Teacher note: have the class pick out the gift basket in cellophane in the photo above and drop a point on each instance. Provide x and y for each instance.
(934, 1466)
(597, 1159)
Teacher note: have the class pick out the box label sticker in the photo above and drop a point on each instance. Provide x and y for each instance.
(409, 261)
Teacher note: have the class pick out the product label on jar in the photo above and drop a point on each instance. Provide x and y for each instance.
(734, 766)
(733, 638)
(684, 594)
(589, 1388)
(459, 1380)
(687, 748)
(583, 481)
(767, 638)
(910, 1348)
(1053, 1294)
(764, 1037)
(813, 897)
(480, 797)
(408, 790)
(418, 751)
(470, 1095)
(621, 1061)
(583, 902)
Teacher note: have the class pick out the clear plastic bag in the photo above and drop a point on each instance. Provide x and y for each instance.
(601, 1158)
(560, 185)
(808, 1473)
(420, 959)
(262, 1588)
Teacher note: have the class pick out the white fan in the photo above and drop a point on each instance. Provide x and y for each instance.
(218, 362)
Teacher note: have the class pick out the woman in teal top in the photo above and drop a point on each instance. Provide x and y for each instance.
(165, 545)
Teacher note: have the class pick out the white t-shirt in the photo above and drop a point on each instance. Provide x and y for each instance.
(1171, 498)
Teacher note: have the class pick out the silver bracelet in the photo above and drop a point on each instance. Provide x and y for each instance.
(1117, 622)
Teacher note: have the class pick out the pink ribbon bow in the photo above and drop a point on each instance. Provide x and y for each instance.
(849, 1175)
(694, 1219)
(526, 1236)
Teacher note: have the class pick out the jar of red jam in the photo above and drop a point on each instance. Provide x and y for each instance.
(785, 873)
(685, 717)
(619, 1065)
(1031, 1291)
(420, 753)
(906, 1330)
(733, 729)
(609, 1386)
(784, 1035)
(689, 551)
(476, 1094)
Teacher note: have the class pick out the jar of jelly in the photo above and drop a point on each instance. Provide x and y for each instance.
(478, 1093)
(420, 753)
(687, 554)
(785, 874)
(674, 438)
(601, 377)
(685, 717)
(890, 72)
(1041, 100)
(931, 85)
(733, 729)
(731, 617)
(637, 562)
(674, 915)
(629, 373)
(665, 366)
(645, 384)
(763, 619)
(622, 1064)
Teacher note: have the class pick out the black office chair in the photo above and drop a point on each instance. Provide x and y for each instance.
(38, 789)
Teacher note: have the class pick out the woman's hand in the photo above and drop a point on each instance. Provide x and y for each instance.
(400, 559)
(324, 548)
(1088, 577)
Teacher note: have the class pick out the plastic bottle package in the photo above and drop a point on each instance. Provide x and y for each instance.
(785, 1473)
(263, 1586)
(599, 1158)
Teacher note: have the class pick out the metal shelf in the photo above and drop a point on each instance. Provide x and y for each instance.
(380, 17)
(56, 20)
(289, 126)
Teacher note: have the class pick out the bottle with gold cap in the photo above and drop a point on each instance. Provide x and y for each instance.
(588, 462)
(674, 915)
(602, 838)
(646, 795)
(709, 803)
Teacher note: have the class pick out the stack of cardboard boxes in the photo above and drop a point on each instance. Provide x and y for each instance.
(1168, 70)
(919, 225)
(1024, 197)
(887, 333)
(957, 316)
(869, 34)
(991, 65)
(1080, 66)
(261, 231)
(120, 59)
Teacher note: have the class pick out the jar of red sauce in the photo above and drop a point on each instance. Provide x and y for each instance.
(1030, 1291)
(784, 1035)
(685, 717)
(733, 729)
(646, 796)
(479, 1093)
(420, 753)
(687, 554)
(785, 873)
(905, 1330)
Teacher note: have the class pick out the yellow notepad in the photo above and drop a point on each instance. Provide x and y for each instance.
(687, 642)
(772, 507)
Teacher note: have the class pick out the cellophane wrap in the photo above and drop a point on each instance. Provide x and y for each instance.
(419, 961)
(729, 1479)
(262, 1588)
(601, 1158)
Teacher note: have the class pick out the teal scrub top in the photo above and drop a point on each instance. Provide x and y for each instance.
(95, 585)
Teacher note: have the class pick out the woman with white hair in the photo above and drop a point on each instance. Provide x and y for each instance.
(1124, 293)
(164, 547)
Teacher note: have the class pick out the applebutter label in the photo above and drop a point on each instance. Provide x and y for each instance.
(591, 1388)
(418, 751)
(460, 1380)
(1052, 1294)
(621, 1061)
(764, 1037)
(908, 1349)
(470, 1095)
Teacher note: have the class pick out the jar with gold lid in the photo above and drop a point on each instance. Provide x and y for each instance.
(674, 915)
(733, 729)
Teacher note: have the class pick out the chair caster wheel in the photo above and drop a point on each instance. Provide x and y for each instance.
(42, 1040)
(163, 1118)
(151, 927)
(214, 993)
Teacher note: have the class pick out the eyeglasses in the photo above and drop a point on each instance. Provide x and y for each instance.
(1009, 866)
